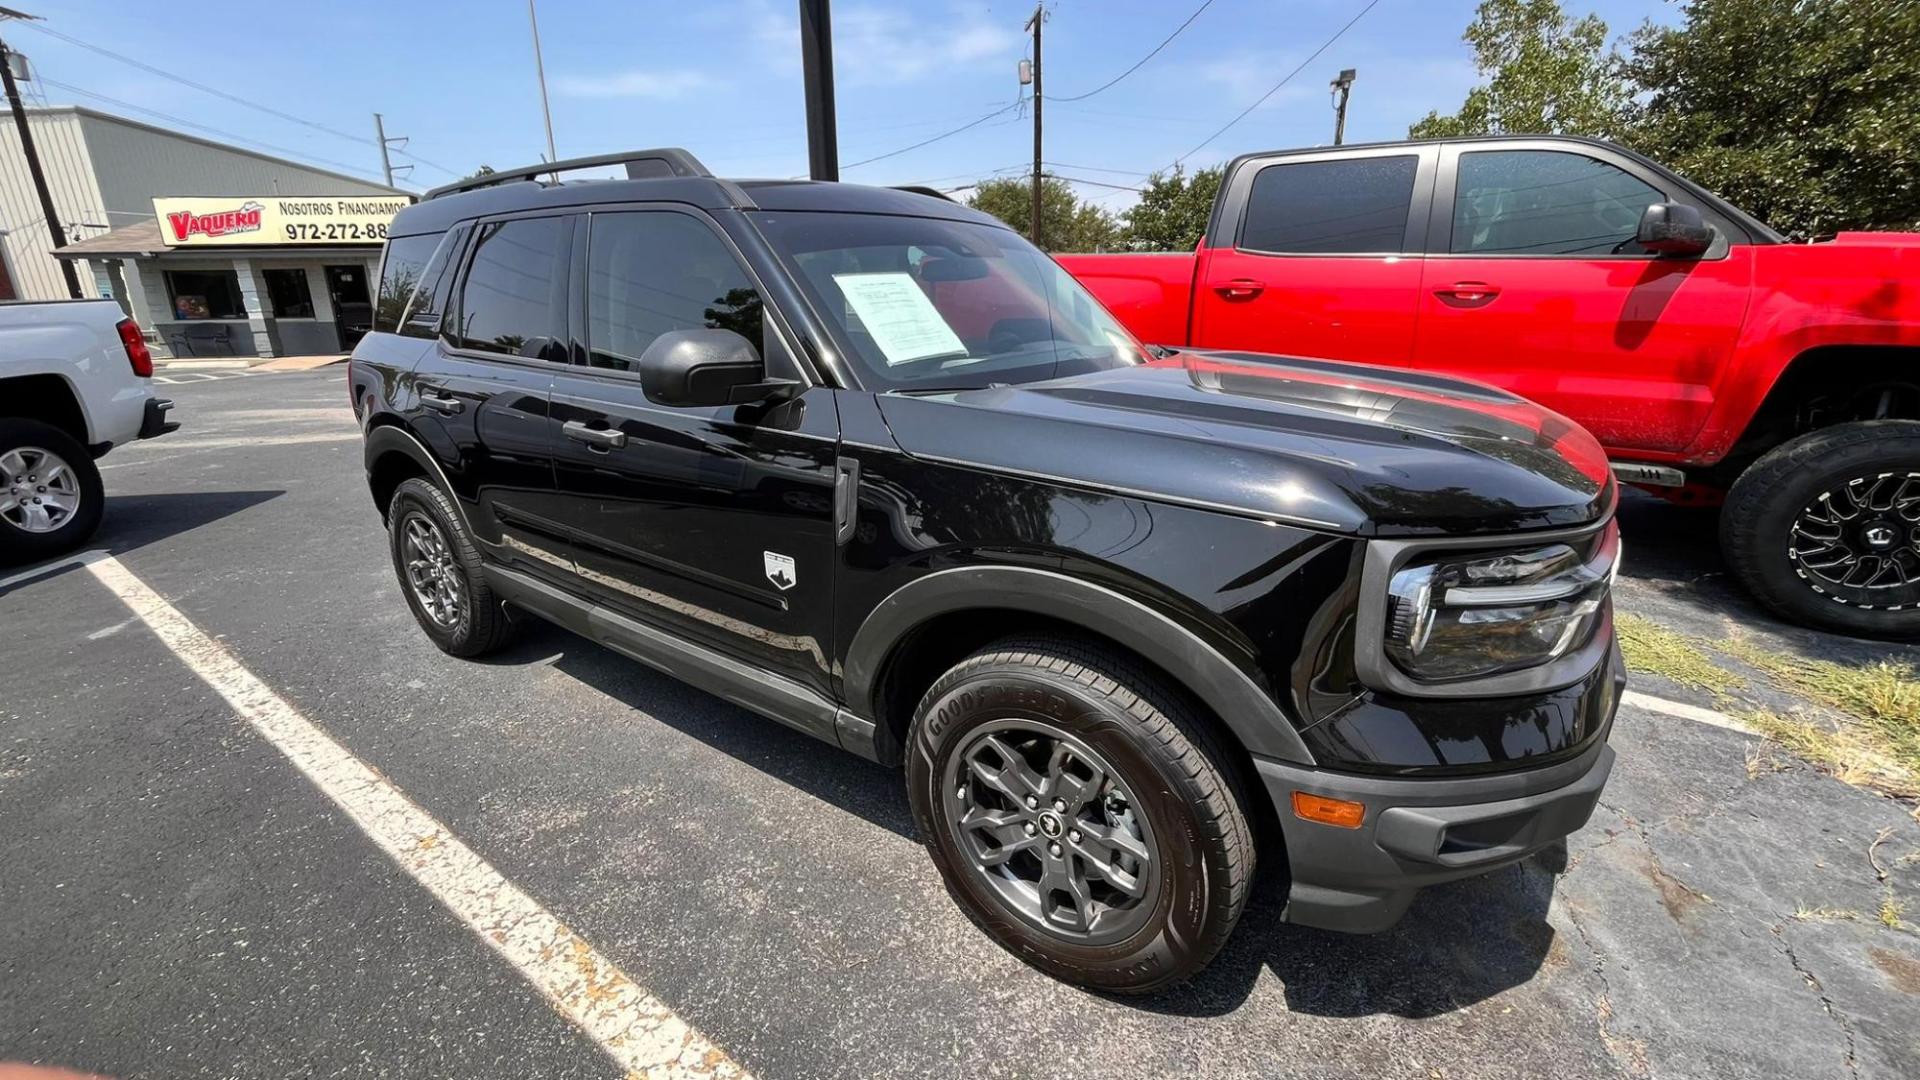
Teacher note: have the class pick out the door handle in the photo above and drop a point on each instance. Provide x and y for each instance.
(1240, 289)
(595, 438)
(1468, 292)
(442, 404)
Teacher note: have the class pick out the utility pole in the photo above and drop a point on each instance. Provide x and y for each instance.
(380, 135)
(39, 175)
(1039, 16)
(540, 69)
(816, 71)
(1342, 86)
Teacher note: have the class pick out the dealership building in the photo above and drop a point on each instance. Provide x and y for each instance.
(289, 272)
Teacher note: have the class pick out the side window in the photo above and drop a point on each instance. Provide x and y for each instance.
(1546, 202)
(513, 300)
(400, 270)
(421, 318)
(648, 273)
(1357, 206)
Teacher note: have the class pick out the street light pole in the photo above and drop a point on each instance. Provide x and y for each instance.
(1039, 16)
(816, 71)
(380, 135)
(39, 175)
(540, 69)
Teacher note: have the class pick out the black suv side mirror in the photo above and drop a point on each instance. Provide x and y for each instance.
(1673, 229)
(706, 367)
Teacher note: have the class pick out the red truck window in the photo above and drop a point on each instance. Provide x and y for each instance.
(1331, 207)
(1539, 202)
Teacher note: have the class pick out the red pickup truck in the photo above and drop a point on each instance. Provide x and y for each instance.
(1714, 358)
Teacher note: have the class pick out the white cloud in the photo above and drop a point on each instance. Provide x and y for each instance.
(1245, 76)
(886, 45)
(633, 84)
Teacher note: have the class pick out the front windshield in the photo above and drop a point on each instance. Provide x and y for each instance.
(925, 304)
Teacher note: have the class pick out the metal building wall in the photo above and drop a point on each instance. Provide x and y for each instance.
(76, 198)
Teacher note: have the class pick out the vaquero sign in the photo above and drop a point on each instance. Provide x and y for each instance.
(273, 221)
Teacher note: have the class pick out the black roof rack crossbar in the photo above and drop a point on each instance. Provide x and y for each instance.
(922, 189)
(641, 165)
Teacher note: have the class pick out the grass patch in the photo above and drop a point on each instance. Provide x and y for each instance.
(1656, 650)
(1890, 912)
(1881, 700)
(1850, 750)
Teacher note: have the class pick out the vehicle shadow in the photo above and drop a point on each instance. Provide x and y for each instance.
(135, 521)
(800, 761)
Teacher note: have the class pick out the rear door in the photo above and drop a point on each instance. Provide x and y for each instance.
(480, 394)
(1323, 258)
(714, 522)
(1534, 283)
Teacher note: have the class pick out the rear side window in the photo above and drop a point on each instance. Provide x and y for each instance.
(648, 273)
(1545, 202)
(1331, 207)
(400, 272)
(514, 298)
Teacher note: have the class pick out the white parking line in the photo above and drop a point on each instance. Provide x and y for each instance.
(639, 1031)
(1684, 711)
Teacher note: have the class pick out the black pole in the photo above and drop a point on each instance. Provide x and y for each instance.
(1039, 16)
(816, 64)
(58, 234)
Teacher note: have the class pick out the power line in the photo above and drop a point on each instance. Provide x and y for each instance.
(1276, 86)
(1142, 60)
(184, 122)
(943, 135)
(1095, 183)
(222, 94)
(1096, 168)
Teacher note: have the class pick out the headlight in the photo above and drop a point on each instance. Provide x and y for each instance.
(1473, 615)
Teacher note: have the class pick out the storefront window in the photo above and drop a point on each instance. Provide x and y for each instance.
(288, 294)
(205, 294)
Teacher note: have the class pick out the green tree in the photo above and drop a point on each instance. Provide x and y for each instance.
(1805, 113)
(1544, 72)
(1172, 211)
(1066, 223)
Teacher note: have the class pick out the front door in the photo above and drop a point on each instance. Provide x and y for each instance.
(1324, 262)
(481, 391)
(713, 522)
(1535, 284)
(352, 304)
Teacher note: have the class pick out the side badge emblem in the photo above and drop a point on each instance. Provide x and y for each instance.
(780, 570)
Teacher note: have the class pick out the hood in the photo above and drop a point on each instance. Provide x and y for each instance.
(1346, 447)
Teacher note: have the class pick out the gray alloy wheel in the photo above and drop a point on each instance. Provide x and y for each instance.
(39, 490)
(1049, 827)
(1862, 535)
(434, 575)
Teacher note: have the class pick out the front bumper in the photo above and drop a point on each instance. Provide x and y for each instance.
(154, 422)
(1420, 832)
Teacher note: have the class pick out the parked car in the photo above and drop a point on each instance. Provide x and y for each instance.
(868, 463)
(73, 385)
(1712, 357)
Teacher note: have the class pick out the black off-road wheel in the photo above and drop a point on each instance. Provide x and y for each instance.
(1825, 529)
(439, 570)
(1081, 813)
(51, 498)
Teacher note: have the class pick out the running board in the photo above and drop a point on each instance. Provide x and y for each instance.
(770, 695)
(1640, 472)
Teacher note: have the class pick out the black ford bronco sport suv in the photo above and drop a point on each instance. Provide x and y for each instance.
(865, 461)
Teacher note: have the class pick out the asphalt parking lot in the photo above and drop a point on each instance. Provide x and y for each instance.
(179, 899)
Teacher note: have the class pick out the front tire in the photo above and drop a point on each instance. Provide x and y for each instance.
(51, 498)
(1081, 814)
(440, 573)
(1825, 529)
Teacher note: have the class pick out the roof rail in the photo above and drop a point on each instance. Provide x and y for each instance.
(922, 189)
(641, 165)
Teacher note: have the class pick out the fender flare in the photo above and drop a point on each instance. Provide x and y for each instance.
(1247, 711)
(384, 439)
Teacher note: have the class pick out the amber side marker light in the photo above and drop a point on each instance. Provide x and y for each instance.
(1336, 812)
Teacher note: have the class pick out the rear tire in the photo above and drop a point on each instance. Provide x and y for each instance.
(51, 498)
(1825, 529)
(1131, 881)
(440, 573)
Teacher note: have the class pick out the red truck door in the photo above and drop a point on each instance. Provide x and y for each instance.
(1533, 282)
(1324, 261)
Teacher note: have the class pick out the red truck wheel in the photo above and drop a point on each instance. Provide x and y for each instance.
(1825, 529)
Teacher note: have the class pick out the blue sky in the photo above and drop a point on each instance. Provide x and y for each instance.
(722, 78)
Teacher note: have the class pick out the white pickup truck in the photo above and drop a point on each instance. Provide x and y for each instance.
(74, 384)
